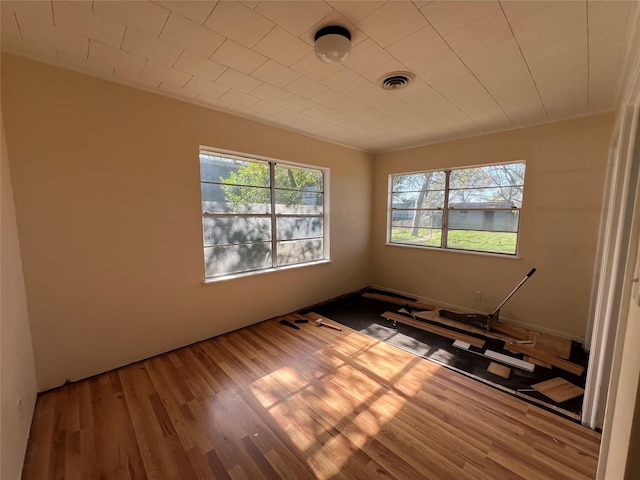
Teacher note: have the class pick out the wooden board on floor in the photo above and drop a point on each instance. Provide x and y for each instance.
(560, 347)
(547, 357)
(535, 361)
(558, 389)
(445, 332)
(433, 316)
(518, 333)
(398, 300)
(500, 370)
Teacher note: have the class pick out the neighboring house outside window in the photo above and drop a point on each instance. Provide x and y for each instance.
(260, 214)
(474, 209)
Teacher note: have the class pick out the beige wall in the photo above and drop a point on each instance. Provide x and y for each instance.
(106, 183)
(560, 217)
(17, 369)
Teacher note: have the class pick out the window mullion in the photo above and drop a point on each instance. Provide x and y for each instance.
(274, 235)
(445, 214)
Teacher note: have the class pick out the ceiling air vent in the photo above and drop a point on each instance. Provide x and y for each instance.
(396, 80)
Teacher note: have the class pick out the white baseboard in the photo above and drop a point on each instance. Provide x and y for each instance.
(440, 304)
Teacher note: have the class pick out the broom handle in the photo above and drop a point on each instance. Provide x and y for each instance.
(526, 277)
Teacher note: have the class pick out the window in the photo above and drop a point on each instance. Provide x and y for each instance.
(259, 214)
(476, 209)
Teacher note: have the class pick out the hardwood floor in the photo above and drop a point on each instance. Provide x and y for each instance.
(269, 402)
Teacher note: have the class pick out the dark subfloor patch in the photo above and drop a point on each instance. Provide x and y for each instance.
(363, 314)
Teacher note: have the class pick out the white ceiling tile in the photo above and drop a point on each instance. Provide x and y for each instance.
(606, 51)
(30, 49)
(366, 56)
(152, 48)
(265, 109)
(423, 97)
(482, 33)
(123, 61)
(87, 65)
(355, 11)
(132, 79)
(421, 3)
(452, 79)
(281, 46)
(146, 16)
(9, 27)
(448, 16)
(198, 11)
(239, 23)
(270, 93)
(199, 66)
(237, 56)
(375, 74)
(564, 92)
(289, 117)
(187, 34)
(310, 66)
(297, 103)
(238, 81)
(418, 46)
(86, 4)
(392, 22)
(36, 12)
(549, 23)
(204, 87)
(79, 20)
(345, 81)
(251, 3)
(295, 17)
(237, 99)
(57, 38)
(179, 93)
(164, 74)
(275, 74)
(504, 73)
(515, 10)
(305, 87)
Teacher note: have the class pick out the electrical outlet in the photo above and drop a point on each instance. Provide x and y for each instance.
(478, 296)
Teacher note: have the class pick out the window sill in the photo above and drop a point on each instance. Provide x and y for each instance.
(452, 250)
(235, 276)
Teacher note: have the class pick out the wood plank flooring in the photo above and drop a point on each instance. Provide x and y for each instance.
(270, 402)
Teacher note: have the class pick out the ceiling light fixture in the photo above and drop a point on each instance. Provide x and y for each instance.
(332, 44)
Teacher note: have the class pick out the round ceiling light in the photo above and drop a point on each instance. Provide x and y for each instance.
(332, 44)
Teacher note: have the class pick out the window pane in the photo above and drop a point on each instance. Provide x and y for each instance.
(419, 181)
(496, 242)
(223, 230)
(490, 220)
(417, 218)
(430, 199)
(306, 179)
(299, 251)
(488, 176)
(231, 170)
(236, 258)
(500, 197)
(429, 237)
(218, 198)
(292, 228)
(295, 202)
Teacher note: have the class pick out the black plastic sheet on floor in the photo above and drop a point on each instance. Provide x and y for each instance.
(364, 314)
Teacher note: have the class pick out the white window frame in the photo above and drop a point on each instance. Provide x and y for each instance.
(272, 162)
(446, 210)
